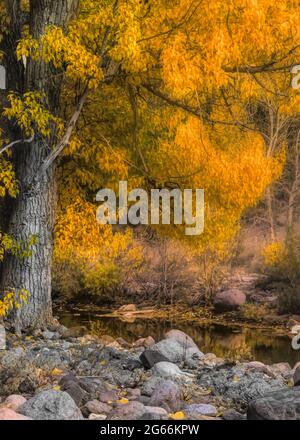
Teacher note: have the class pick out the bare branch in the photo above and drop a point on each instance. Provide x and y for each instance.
(66, 139)
(19, 141)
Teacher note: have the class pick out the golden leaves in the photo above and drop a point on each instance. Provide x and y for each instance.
(31, 114)
(178, 416)
(13, 300)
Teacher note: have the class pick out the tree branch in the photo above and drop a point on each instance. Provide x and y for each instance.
(66, 139)
(19, 141)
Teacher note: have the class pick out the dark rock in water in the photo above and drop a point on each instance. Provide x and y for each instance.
(151, 357)
(279, 405)
(51, 405)
(229, 300)
(232, 414)
(238, 384)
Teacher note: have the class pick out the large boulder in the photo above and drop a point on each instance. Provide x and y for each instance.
(279, 405)
(228, 300)
(181, 338)
(166, 395)
(170, 350)
(151, 357)
(51, 405)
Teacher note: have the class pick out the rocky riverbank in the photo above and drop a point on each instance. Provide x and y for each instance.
(63, 374)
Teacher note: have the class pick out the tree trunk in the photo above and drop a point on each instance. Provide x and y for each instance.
(269, 197)
(33, 212)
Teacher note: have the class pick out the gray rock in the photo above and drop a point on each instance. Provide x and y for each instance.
(166, 369)
(48, 335)
(176, 352)
(279, 405)
(144, 400)
(281, 369)
(171, 350)
(51, 405)
(182, 338)
(129, 411)
(133, 393)
(238, 384)
(11, 358)
(195, 410)
(151, 357)
(193, 357)
(167, 395)
(232, 414)
(71, 385)
(154, 413)
(150, 385)
(228, 300)
(96, 407)
(51, 358)
(109, 396)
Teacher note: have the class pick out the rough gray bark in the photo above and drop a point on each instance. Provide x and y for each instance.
(33, 212)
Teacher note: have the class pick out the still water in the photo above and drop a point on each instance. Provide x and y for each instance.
(227, 342)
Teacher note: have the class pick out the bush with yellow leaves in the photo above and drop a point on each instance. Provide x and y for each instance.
(89, 258)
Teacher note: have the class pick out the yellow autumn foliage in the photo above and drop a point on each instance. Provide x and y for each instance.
(91, 251)
(210, 59)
